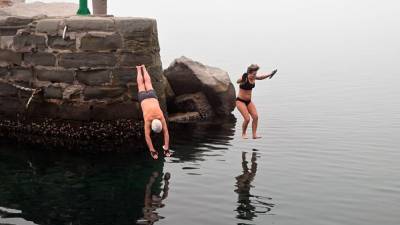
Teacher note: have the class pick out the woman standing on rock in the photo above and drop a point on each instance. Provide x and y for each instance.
(243, 102)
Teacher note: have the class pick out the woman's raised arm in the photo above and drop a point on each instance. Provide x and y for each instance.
(262, 77)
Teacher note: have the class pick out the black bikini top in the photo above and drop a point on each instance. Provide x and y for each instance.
(246, 85)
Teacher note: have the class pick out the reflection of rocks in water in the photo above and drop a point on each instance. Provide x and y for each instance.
(65, 188)
(249, 206)
(190, 141)
(7, 213)
(153, 200)
(12, 216)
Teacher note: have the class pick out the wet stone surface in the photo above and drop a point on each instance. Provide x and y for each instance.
(55, 75)
(94, 77)
(29, 42)
(101, 92)
(97, 41)
(60, 43)
(53, 92)
(87, 59)
(8, 57)
(73, 134)
(41, 59)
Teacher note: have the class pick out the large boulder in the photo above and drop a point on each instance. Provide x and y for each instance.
(187, 77)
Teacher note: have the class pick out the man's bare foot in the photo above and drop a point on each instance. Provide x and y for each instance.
(256, 137)
(142, 68)
(244, 136)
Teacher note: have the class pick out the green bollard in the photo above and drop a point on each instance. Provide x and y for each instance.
(83, 8)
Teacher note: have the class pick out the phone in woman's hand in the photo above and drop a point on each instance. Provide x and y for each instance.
(273, 73)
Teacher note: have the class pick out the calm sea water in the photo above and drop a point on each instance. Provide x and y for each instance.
(330, 122)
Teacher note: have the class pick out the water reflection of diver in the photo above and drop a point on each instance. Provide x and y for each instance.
(246, 209)
(152, 202)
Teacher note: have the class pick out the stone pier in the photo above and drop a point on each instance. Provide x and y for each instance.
(84, 76)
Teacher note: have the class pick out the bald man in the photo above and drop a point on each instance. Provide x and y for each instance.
(152, 114)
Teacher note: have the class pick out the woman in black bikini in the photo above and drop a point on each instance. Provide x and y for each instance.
(243, 102)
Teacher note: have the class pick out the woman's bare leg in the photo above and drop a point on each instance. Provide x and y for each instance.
(246, 116)
(254, 115)
(147, 79)
(139, 79)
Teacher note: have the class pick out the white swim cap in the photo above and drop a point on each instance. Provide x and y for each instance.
(156, 125)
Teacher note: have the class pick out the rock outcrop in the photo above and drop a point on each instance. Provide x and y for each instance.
(199, 88)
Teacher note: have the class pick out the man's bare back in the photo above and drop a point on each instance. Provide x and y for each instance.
(151, 109)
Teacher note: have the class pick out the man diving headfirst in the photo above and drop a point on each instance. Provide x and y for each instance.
(152, 114)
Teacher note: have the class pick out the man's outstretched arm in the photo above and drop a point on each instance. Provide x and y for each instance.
(166, 133)
(147, 132)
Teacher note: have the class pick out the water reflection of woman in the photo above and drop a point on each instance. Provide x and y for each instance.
(246, 209)
(243, 185)
(152, 202)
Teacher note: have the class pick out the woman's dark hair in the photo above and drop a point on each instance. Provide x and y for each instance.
(252, 68)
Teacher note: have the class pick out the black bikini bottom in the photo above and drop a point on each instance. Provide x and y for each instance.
(244, 101)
